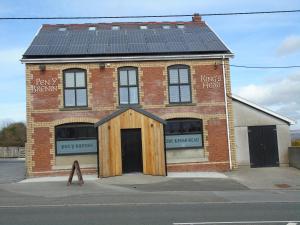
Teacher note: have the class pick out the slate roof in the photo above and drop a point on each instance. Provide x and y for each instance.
(77, 40)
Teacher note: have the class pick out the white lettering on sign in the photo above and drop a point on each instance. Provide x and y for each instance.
(183, 141)
(211, 82)
(43, 85)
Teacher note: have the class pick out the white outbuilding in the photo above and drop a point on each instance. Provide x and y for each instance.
(262, 136)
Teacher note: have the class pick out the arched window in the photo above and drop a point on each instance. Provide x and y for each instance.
(76, 138)
(128, 86)
(179, 82)
(75, 88)
(184, 133)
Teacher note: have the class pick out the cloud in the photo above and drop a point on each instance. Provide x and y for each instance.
(289, 46)
(281, 96)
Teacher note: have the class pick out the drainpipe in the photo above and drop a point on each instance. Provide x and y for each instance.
(226, 110)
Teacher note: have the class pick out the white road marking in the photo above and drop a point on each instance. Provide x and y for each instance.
(144, 204)
(239, 222)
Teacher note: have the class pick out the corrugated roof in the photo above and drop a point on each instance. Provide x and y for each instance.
(78, 40)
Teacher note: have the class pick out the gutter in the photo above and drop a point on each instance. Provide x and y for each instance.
(226, 111)
(124, 58)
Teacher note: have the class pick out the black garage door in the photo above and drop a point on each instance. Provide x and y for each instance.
(263, 146)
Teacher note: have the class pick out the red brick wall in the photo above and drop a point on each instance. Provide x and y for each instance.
(41, 148)
(206, 89)
(104, 93)
(153, 85)
(102, 87)
(44, 89)
(217, 140)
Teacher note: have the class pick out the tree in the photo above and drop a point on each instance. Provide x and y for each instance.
(13, 134)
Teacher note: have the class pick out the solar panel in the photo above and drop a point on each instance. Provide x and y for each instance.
(81, 41)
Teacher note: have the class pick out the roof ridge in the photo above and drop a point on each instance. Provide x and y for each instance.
(126, 23)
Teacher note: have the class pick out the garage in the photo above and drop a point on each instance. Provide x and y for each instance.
(262, 136)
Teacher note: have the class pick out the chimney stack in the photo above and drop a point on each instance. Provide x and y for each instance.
(196, 18)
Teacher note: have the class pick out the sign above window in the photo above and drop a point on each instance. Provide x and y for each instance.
(184, 141)
(76, 147)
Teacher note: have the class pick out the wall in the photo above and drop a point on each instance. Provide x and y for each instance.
(294, 157)
(245, 116)
(45, 109)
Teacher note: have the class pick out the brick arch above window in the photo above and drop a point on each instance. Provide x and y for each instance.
(74, 120)
(191, 115)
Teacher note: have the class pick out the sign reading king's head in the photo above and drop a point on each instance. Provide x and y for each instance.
(211, 82)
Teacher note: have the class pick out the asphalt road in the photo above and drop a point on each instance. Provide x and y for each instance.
(11, 170)
(148, 214)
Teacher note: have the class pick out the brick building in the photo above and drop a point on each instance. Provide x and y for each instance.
(145, 97)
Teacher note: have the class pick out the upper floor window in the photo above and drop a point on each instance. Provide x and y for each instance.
(179, 84)
(128, 86)
(75, 88)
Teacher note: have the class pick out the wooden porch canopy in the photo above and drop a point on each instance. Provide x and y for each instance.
(152, 135)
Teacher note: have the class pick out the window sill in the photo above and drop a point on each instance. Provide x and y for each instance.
(126, 106)
(180, 104)
(75, 108)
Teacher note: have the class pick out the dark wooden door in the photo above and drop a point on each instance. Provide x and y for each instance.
(131, 150)
(263, 146)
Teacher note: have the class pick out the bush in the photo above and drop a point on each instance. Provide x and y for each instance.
(296, 143)
(13, 134)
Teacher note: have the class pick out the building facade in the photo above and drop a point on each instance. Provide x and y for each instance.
(128, 97)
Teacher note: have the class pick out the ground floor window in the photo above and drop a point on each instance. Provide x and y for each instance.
(184, 134)
(76, 138)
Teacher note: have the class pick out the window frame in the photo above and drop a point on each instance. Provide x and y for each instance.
(75, 88)
(70, 139)
(178, 67)
(174, 120)
(128, 86)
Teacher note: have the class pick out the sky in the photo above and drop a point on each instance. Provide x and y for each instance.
(256, 40)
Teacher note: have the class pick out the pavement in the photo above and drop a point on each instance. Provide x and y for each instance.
(267, 178)
(12, 178)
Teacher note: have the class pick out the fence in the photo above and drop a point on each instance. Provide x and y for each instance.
(12, 152)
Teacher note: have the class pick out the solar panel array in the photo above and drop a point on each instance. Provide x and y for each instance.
(71, 42)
